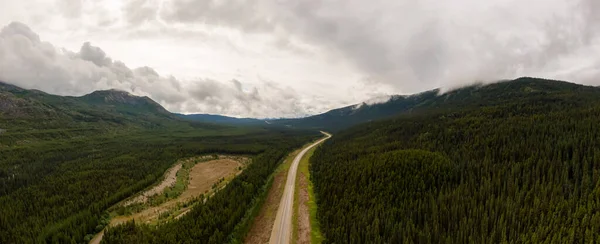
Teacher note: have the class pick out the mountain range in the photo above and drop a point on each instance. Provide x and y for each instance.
(33, 108)
(431, 167)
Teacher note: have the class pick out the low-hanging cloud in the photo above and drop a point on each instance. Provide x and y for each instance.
(417, 45)
(27, 61)
(378, 47)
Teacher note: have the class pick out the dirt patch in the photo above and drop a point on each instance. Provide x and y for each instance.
(260, 232)
(201, 180)
(97, 238)
(303, 211)
(169, 180)
(204, 175)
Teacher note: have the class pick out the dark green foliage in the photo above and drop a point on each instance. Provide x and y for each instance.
(60, 188)
(521, 165)
(397, 187)
(216, 220)
(40, 116)
(220, 119)
(65, 160)
(342, 118)
(499, 93)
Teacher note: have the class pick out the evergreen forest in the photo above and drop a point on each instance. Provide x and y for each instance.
(512, 162)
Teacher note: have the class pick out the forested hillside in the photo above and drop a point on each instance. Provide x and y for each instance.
(478, 94)
(36, 112)
(516, 161)
(65, 160)
(342, 118)
(220, 119)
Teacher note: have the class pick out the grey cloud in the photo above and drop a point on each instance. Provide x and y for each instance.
(139, 11)
(417, 45)
(268, 99)
(246, 14)
(590, 18)
(237, 84)
(94, 55)
(71, 8)
(20, 29)
(147, 71)
(30, 63)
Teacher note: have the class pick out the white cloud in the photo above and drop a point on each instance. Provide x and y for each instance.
(27, 61)
(417, 45)
(330, 53)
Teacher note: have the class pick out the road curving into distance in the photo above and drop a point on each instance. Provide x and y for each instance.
(282, 229)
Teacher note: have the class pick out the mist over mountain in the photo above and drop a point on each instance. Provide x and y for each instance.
(18, 102)
(274, 121)
(289, 60)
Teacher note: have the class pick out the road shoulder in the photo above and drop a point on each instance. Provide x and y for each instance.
(306, 226)
(262, 225)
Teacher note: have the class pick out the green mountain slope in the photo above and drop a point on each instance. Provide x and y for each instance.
(516, 161)
(29, 107)
(220, 119)
(29, 115)
(65, 160)
(345, 117)
(497, 93)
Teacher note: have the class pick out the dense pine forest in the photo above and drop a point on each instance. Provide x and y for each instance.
(223, 218)
(65, 160)
(516, 161)
(512, 162)
(57, 192)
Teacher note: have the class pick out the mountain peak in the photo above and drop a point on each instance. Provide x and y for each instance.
(116, 97)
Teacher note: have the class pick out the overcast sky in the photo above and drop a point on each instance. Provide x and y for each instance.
(288, 58)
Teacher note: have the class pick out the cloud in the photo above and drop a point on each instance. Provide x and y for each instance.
(71, 8)
(137, 12)
(27, 61)
(417, 45)
(339, 52)
(247, 15)
(94, 55)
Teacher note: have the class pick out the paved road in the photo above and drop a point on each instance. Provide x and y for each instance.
(282, 229)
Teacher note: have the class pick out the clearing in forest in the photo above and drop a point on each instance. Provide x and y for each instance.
(202, 179)
(169, 181)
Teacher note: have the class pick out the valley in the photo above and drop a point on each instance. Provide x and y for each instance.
(299, 122)
(505, 162)
(93, 152)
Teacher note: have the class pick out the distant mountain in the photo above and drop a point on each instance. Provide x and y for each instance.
(220, 119)
(112, 107)
(125, 101)
(475, 95)
(345, 117)
(27, 110)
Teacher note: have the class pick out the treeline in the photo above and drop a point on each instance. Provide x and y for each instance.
(57, 191)
(525, 170)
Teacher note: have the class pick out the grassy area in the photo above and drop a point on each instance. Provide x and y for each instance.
(167, 194)
(261, 207)
(295, 228)
(173, 192)
(315, 231)
(303, 169)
